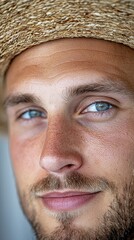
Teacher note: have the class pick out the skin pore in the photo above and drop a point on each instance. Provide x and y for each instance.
(70, 110)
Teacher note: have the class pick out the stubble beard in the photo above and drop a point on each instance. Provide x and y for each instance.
(116, 224)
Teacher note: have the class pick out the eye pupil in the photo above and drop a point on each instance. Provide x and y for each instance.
(33, 113)
(102, 106)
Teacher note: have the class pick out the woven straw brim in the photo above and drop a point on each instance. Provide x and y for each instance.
(25, 23)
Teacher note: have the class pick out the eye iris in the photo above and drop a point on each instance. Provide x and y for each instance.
(33, 114)
(102, 106)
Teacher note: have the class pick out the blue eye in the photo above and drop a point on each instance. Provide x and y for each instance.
(98, 107)
(32, 114)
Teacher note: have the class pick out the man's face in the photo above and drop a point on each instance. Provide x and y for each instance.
(70, 106)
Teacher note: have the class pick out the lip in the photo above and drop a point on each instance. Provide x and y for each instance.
(67, 201)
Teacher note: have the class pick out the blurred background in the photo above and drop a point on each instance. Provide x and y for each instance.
(13, 224)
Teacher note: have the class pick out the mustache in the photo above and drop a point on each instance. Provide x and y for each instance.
(72, 180)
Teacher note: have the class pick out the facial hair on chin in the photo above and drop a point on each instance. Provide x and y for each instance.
(116, 224)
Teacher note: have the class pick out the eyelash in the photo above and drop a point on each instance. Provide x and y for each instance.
(101, 113)
(21, 116)
(101, 103)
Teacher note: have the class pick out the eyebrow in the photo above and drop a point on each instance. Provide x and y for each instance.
(107, 86)
(20, 98)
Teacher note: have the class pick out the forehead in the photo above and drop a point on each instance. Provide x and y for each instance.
(67, 45)
(74, 55)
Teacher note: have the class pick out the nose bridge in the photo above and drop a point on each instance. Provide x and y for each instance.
(56, 137)
(58, 152)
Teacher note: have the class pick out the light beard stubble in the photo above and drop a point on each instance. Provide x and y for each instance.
(116, 224)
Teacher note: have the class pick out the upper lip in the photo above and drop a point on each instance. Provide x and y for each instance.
(65, 194)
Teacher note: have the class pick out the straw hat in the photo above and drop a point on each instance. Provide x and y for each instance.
(25, 23)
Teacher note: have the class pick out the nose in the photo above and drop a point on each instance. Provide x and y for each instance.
(59, 154)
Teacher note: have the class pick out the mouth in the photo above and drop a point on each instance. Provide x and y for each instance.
(67, 201)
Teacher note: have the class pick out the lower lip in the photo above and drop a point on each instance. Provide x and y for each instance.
(67, 203)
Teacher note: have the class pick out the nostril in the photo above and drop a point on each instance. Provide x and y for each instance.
(70, 165)
(61, 163)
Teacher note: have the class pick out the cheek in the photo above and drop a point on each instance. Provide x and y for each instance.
(122, 148)
(25, 159)
(110, 153)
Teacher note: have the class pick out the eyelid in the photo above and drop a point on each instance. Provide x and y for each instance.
(93, 99)
(110, 106)
(99, 116)
(31, 117)
(19, 113)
